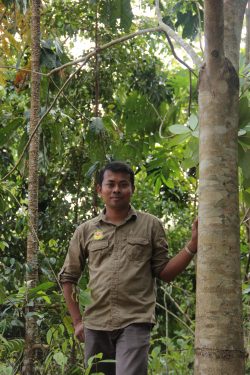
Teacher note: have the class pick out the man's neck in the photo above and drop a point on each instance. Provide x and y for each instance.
(116, 216)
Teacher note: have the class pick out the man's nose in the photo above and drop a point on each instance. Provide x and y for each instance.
(116, 189)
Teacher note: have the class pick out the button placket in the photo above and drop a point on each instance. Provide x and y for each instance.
(115, 316)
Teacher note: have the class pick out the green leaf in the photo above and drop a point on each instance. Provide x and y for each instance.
(2, 203)
(60, 359)
(8, 131)
(178, 139)
(97, 126)
(42, 287)
(158, 185)
(193, 122)
(244, 163)
(84, 298)
(139, 116)
(241, 132)
(2, 294)
(68, 324)
(110, 12)
(3, 245)
(244, 112)
(188, 163)
(90, 172)
(170, 183)
(51, 334)
(6, 370)
(246, 198)
(126, 15)
(179, 129)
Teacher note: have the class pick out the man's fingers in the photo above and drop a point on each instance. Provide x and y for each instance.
(80, 337)
(79, 332)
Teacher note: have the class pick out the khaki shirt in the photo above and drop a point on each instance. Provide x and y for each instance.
(123, 261)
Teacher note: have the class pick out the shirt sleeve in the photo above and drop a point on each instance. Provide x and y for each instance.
(159, 248)
(75, 260)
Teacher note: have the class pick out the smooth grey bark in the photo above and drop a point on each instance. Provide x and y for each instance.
(219, 342)
(32, 240)
(234, 11)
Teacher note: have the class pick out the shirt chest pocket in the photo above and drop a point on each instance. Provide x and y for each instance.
(138, 248)
(98, 250)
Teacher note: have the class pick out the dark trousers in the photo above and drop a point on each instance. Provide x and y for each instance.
(127, 346)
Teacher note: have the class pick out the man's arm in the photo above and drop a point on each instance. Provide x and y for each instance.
(73, 308)
(178, 264)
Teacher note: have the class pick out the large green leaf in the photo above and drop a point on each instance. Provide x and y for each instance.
(126, 15)
(193, 122)
(8, 131)
(244, 112)
(179, 129)
(41, 287)
(114, 10)
(246, 197)
(139, 116)
(244, 163)
(178, 139)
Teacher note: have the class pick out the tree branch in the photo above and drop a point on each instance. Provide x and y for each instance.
(105, 46)
(178, 58)
(176, 317)
(190, 51)
(214, 31)
(177, 305)
(23, 69)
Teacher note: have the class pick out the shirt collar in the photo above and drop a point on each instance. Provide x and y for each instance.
(132, 214)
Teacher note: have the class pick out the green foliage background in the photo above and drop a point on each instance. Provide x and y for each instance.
(145, 118)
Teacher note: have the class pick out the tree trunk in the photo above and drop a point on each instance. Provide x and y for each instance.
(234, 11)
(32, 241)
(219, 333)
(248, 33)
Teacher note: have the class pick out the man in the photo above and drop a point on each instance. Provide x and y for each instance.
(126, 249)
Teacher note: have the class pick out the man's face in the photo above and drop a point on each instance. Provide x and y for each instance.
(116, 190)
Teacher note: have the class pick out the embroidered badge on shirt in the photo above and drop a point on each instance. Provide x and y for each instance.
(98, 235)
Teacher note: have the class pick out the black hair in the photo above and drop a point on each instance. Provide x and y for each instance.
(117, 166)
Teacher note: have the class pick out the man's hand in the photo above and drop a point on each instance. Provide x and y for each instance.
(79, 331)
(192, 244)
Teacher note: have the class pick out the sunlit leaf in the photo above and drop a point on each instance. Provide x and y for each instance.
(179, 129)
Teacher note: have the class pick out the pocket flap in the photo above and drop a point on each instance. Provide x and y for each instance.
(138, 241)
(98, 245)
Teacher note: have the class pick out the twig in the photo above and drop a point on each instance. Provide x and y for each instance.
(105, 46)
(23, 69)
(176, 317)
(245, 215)
(177, 57)
(190, 94)
(197, 61)
(177, 305)
(70, 103)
